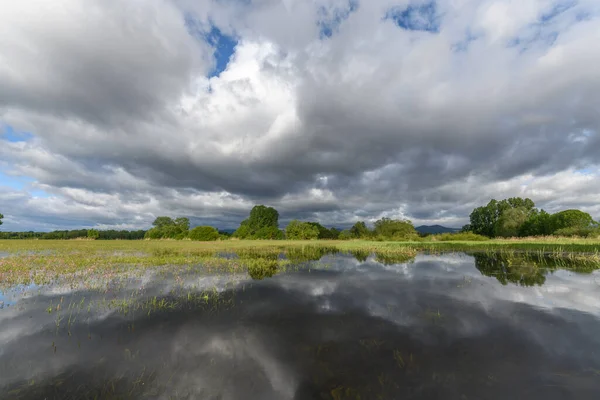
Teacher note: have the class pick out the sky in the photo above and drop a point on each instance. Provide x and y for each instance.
(115, 112)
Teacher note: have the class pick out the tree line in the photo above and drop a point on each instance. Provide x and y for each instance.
(512, 217)
(518, 217)
(76, 234)
(263, 223)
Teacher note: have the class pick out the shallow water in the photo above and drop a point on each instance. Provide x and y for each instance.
(446, 326)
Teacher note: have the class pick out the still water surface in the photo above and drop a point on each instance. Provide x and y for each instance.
(441, 327)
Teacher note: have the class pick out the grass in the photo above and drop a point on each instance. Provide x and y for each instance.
(152, 246)
(44, 261)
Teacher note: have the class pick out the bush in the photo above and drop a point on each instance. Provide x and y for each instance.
(204, 233)
(297, 230)
(586, 232)
(395, 229)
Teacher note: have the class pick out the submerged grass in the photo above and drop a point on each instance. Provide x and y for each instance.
(44, 261)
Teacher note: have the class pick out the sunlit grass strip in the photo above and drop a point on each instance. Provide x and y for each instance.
(42, 262)
(150, 246)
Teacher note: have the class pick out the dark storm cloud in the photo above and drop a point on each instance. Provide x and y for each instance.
(369, 120)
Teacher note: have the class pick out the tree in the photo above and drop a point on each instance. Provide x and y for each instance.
(204, 233)
(263, 223)
(570, 219)
(359, 230)
(510, 222)
(345, 235)
(161, 222)
(325, 233)
(243, 232)
(269, 233)
(484, 220)
(183, 223)
(167, 228)
(394, 228)
(263, 216)
(297, 230)
(1, 216)
(537, 224)
(154, 233)
(334, 233)
(93, 234)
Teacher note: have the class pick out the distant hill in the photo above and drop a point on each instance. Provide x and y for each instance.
(433, 229)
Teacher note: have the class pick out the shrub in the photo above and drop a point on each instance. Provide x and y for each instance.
(588, 232)
(297, 230)
(204, 233)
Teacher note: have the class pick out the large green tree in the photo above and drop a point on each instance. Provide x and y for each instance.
(360, 231)
(570, 219)
(484, 220)
(537, 224)
(160, 222)
(510, 221)
(1, 216)
(263, 223)
(167, 228)
(183, 223)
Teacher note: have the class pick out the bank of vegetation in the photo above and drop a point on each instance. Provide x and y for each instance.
(509, 218)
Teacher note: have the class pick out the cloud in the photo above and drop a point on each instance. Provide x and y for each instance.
(326, 110)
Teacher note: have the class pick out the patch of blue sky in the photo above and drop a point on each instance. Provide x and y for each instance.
(39, 193)
(585, 171)
(421, 17)
(224, 45)
(21, 183)
(536, 37)
(7, 132)
(557, 9)
(330, 19)
(14, 182)
(546, 30)
(464, 44)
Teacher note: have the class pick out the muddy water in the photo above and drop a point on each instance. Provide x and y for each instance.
(440, 327)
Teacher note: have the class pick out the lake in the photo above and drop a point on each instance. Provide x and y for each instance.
(446, 326)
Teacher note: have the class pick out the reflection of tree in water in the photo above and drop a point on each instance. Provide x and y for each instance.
(360, 255)
(309, 253)
(507, 268)
(531, 268)
(260, 269)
